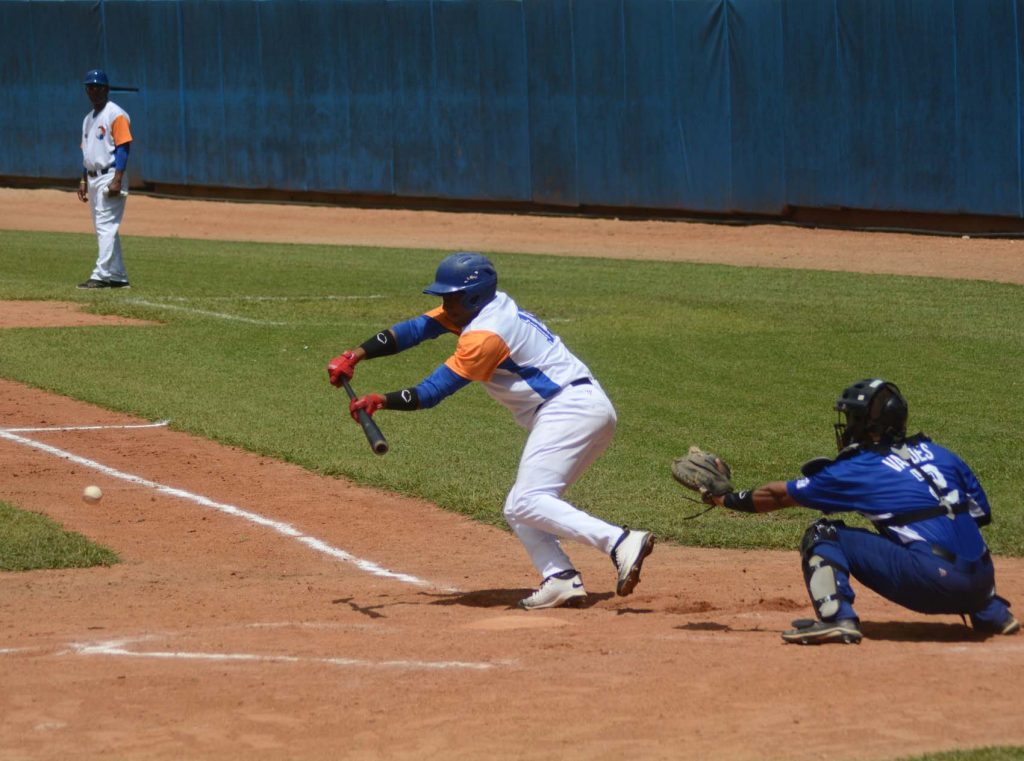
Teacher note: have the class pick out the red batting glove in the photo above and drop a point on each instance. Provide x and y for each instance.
(342, 368)
(370, 403)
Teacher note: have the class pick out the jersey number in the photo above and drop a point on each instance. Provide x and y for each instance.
(532, 320)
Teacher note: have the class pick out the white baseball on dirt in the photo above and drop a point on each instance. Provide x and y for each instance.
(92, 494)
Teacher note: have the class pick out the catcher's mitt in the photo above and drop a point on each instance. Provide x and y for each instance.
(703, 472)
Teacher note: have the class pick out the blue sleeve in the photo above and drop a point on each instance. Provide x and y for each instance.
(417, 330)
(441, 383)
(121, 156)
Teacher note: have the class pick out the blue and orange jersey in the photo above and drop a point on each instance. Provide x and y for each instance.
(520, 362)
(102, 133)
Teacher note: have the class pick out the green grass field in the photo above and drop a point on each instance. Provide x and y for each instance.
(30, 542)
(747, 362)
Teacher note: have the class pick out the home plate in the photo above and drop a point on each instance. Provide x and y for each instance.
(526, 621)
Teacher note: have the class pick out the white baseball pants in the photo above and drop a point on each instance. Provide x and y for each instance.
(107, 212)
(567, 434)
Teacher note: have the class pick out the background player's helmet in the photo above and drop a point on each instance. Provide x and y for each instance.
(468, 273)
(96, 77)
(874, 409)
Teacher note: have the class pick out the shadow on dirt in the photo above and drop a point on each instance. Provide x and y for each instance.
(507, 598)
(919, 631)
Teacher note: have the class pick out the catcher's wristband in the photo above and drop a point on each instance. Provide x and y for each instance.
(741, 501)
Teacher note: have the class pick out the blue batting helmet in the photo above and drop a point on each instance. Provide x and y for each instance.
(96, 77)
(468, 273)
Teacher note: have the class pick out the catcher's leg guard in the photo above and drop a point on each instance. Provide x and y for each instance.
(823, 584)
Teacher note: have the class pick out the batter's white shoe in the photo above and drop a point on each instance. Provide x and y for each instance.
(559, 590)
(628, 555)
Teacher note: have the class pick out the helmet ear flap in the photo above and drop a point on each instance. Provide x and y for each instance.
(875, 410)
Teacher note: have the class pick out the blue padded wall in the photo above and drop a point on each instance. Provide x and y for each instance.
(717, 106)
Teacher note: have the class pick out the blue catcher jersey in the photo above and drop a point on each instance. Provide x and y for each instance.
(880, 485)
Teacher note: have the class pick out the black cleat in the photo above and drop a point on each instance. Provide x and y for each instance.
(808, 632)
(93, 283)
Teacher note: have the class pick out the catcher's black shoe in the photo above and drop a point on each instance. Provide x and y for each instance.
(809, 632)
(1010, 626)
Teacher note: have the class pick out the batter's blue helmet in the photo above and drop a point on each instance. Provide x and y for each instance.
(96, 77)
(468, 273)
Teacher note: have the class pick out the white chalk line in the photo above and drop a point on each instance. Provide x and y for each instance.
(44, 429)
(274, 298)
(284, 529)
(236, 318)
(117, 648)
(203, 312)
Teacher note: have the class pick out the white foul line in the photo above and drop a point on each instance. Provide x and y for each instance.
(157, 424)
(116, 648)
(285, 529)
(203, 312)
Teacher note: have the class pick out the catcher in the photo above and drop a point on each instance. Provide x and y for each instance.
(927, 553)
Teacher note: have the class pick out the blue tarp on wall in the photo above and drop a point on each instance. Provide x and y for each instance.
(718, 106)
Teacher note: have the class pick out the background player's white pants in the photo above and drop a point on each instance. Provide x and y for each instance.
(567, 434)
(107, 213)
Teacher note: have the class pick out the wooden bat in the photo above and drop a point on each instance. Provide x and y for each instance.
(378, 443)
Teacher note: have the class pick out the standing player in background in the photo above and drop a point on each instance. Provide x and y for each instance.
(106, 141)
(926, 504)
(550, 392)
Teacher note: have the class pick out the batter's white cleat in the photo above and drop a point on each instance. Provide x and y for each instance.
(628, 555)
(559, 590)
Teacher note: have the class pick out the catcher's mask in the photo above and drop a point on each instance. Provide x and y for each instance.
(875, 411)
(467, 273)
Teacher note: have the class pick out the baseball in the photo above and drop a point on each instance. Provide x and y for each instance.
(92, 494)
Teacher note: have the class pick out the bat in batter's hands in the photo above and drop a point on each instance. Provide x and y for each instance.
(361, 409)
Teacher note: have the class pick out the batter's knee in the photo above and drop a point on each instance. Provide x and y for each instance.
(522, 504)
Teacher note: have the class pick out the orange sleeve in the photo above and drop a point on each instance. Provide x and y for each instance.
(442, 317)
(120, 130)
(477, 355)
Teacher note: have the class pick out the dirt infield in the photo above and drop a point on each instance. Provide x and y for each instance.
(262, 612)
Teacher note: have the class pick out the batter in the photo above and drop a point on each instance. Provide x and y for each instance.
(551, 393)
(106, 142)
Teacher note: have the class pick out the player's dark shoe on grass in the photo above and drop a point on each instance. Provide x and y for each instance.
(92, 283)
(810, 632)
(628, 555)
(560, 590)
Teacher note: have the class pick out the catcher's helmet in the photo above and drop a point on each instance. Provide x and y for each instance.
(468, 273)
(875, 410)
(96, 77)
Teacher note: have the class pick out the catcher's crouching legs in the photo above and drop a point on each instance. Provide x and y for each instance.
(826, 574)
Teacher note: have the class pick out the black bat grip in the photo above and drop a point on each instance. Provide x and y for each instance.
(378, 443)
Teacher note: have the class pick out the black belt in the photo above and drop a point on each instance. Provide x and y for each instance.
(98, 172)
(581, 382)
(941, 552)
